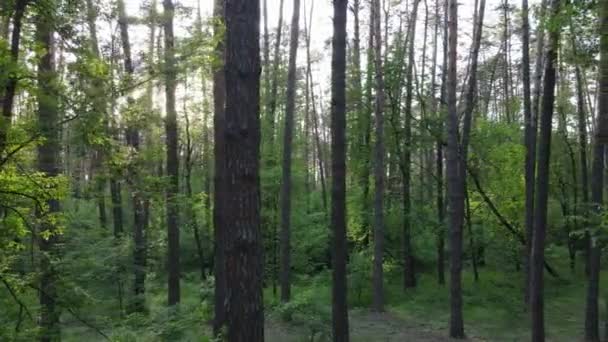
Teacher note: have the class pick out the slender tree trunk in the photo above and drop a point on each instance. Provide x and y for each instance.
(529, 139)
(469, 106)
(542, 186)
(531, 146)
(506, 63)
(287, 152)
(244, 261)
(379, 171)
(272, 99)
(102, 110)
(472, 246)
(455, 181)
(409, 277)
(439, 149)
(48, 163)
(188, 164)
(338, 173)
(8, 95)
(219, 191)
(271, 201)
(317, 131)
(132, 135)
(173, 267)
(597, 180)
(582, 138)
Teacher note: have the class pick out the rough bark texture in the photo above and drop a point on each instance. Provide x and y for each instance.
(243, 243)
(173, 267)
(48, 163)
(409, 277)
(379, 168)
(455, 181)
(219, 193)
(542, 185)
(338, 172)
(597, 182)
(287, 152)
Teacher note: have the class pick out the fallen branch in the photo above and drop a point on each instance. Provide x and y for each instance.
(519, 235)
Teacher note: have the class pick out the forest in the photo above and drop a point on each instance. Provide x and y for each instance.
(303, 170)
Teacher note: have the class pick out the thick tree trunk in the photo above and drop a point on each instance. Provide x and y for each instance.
(287, 152)
(48, 163)
(455, 181)
(244, 261)
(338, 173)
(173, 267)
(597, 181)
(219, 191)
(542, 186)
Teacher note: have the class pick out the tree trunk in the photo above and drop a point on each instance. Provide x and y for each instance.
(455, 181)
(132, 134)
(439, 149)
(11, 83)
(542, 186)
(597, 182)
(219, 192)
(272, 99)
(469, 106)
(530, 143)
(48, 163)
(409, 277)
(338, 173)
(173, 267)
(378, 277)
(244, 261)
(287, 152)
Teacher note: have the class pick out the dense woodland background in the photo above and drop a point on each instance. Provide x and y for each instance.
(417, 170)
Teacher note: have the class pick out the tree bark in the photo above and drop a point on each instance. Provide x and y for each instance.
(455, 181)
(597, 182)
(48, 163)
(469, 105)
(244, 261)
(132, 135)
(219, 191)
(11, 83)
(338, 173)
(439, 149)
(378, 276)
(409, 277)
(542, 186)
(272, 99)
(173, 267)
(287, 152)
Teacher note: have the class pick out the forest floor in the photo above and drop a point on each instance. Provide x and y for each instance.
(364, 326)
